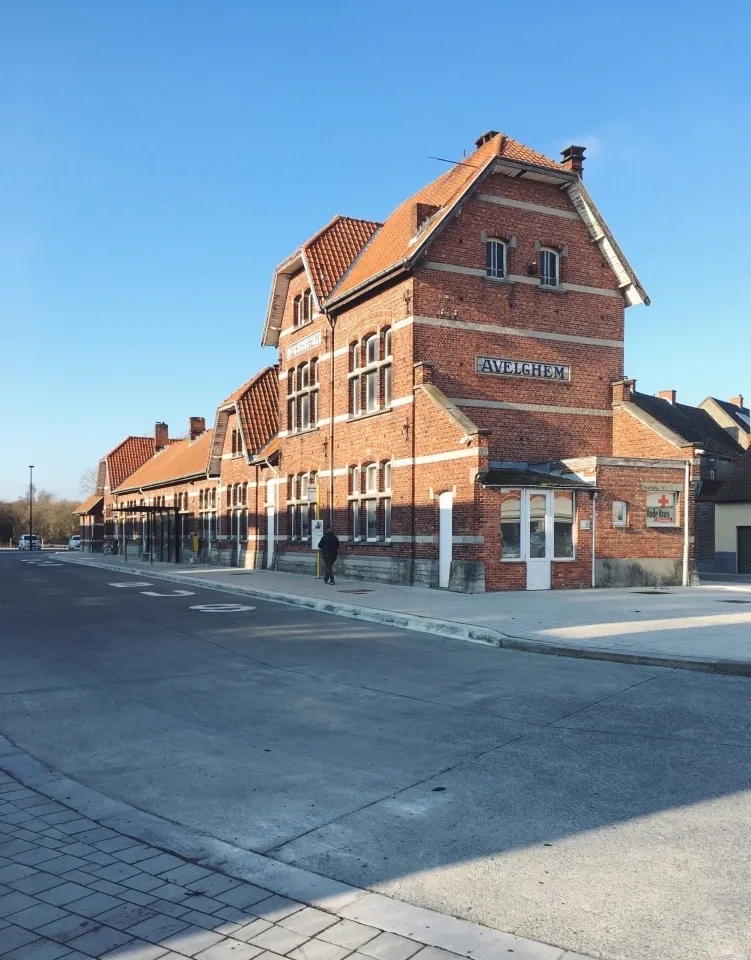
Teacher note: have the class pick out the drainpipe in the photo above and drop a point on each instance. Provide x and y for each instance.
(594, 515)
(686, 487)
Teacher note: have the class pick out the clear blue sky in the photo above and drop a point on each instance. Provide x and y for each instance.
(159, 157)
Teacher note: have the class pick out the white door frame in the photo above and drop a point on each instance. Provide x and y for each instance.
(539, 569)
(270, 536)
(445, 537)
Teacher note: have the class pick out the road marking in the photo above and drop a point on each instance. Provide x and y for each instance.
(173, 593)
(47, 563)
(221, 607)
(133, 583)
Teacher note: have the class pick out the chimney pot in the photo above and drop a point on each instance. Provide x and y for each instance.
(668, 395)
(738, 401)
(197, 427)
(573, 159)
(488, 135)
(161, 436)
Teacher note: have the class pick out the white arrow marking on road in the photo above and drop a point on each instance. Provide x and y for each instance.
(174, 593)
(221, 607)
(133, 583)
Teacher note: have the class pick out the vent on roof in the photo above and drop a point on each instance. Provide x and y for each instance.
(485, 138)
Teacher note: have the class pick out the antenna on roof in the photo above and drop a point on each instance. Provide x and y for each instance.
(457, 162)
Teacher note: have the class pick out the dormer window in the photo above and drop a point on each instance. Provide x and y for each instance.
(302, 308)
(495, 259)
(549, 271)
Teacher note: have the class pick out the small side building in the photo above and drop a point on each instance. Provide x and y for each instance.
(733, 521)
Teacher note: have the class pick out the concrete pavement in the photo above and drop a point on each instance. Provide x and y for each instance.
(590, 805)
(701, 628)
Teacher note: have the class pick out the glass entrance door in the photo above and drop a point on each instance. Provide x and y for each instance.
(539, 545)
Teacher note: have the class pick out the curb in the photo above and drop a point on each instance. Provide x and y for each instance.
(441, 931)
(451, 629)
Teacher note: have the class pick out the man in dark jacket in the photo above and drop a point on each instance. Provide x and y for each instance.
(329, 547)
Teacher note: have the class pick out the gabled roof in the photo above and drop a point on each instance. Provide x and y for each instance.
(127, 457)
(325, 257)
(89, 504)
(691, 424)
(741, 416)
(394, 245)
(181, 460)
(737, 488)
(256, 404)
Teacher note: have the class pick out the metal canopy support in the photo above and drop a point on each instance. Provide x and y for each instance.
(151, 512)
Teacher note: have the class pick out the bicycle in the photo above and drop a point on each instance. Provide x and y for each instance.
(110, 547)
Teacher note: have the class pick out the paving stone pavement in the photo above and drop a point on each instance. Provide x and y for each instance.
(71, 889)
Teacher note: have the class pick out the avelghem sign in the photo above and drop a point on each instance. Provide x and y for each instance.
(307, 343)
(502, 367)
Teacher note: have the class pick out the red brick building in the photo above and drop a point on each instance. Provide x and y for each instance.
(450, 396)
(451, 386)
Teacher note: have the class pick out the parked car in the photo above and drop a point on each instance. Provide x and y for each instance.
(75, 542)
(29, 542)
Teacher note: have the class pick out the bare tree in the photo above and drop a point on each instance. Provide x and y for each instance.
(87, 481)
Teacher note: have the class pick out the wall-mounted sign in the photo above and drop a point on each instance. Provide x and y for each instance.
(662, 509)
(316, 532)
(502, 367)
(307, 343)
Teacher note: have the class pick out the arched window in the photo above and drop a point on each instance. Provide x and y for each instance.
(495, 259)
(302, 397)
(370, 347)
(386, 389)
(549, 267)
(297, 311)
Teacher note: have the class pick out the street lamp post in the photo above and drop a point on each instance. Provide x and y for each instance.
(31, 503)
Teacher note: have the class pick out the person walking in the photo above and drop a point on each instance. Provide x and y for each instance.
(329, 547)
(196, 546)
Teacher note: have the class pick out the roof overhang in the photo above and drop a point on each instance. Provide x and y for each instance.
(164, 482)
(513, 479)
(278, 297)
(88, 506)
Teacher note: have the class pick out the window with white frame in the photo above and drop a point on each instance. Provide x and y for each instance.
(620, 513)
(549, 267)
(564, 510)
(495, 259)
(511, 524)
(370, 376)
(386, 389)
(387, 501)
(354, 486)
(371, 501)
(301, 504)
(302, 397)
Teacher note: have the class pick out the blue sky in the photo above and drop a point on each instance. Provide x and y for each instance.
(159, 157)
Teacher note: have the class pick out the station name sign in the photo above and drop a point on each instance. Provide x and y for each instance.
(501, 367)
(307, 343)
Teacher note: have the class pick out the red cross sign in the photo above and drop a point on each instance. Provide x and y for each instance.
(663, 501)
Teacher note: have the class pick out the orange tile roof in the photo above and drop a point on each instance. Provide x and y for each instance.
(331, 252)
(391, 244)
(88, 504)
(181, 459)
(127, 457)
(258, 410)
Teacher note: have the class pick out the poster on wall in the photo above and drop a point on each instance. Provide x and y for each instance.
(662, 509)
(316, 532)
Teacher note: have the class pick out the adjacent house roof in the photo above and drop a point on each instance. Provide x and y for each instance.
(89, 504)
(741, 416)
(737, 488)
(127, 457)
(256, 404)
(181, 460)
(691, 424)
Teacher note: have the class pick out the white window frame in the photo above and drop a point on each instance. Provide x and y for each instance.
(496, 250)
(620, 513)
(302, 397)
(546, 253)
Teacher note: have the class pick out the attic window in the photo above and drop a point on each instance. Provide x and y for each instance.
(548, 267)
(495, 259)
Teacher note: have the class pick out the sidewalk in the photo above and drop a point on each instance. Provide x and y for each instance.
(701, 628)
(92, 877)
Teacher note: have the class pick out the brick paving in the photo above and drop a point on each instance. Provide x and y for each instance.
(71, 889)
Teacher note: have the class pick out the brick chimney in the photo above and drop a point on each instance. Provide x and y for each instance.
(738, 401)
(485, 137)
(197, 427)
(668, 395)
(161, 436)
(622, 390)
(573, 159)
(421, 213)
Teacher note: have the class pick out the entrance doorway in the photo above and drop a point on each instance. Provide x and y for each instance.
(744, 549)
(270, 537)
(538, 509)
(445, 537)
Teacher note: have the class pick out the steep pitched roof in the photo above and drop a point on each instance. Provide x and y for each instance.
(180, 460)
(331, 252)
(256, 404)
(737, 488)
(692, 424)
(741, 416)
(127, 457)
(325, 257)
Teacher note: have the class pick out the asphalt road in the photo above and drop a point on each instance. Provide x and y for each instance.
(597, 806)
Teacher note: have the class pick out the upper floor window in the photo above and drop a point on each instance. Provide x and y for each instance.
(297, 310)
(370, 374)
(549, 267)
(495, 259)
(302, 397)
(386, 389)
(237, 446)
(302, 308)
